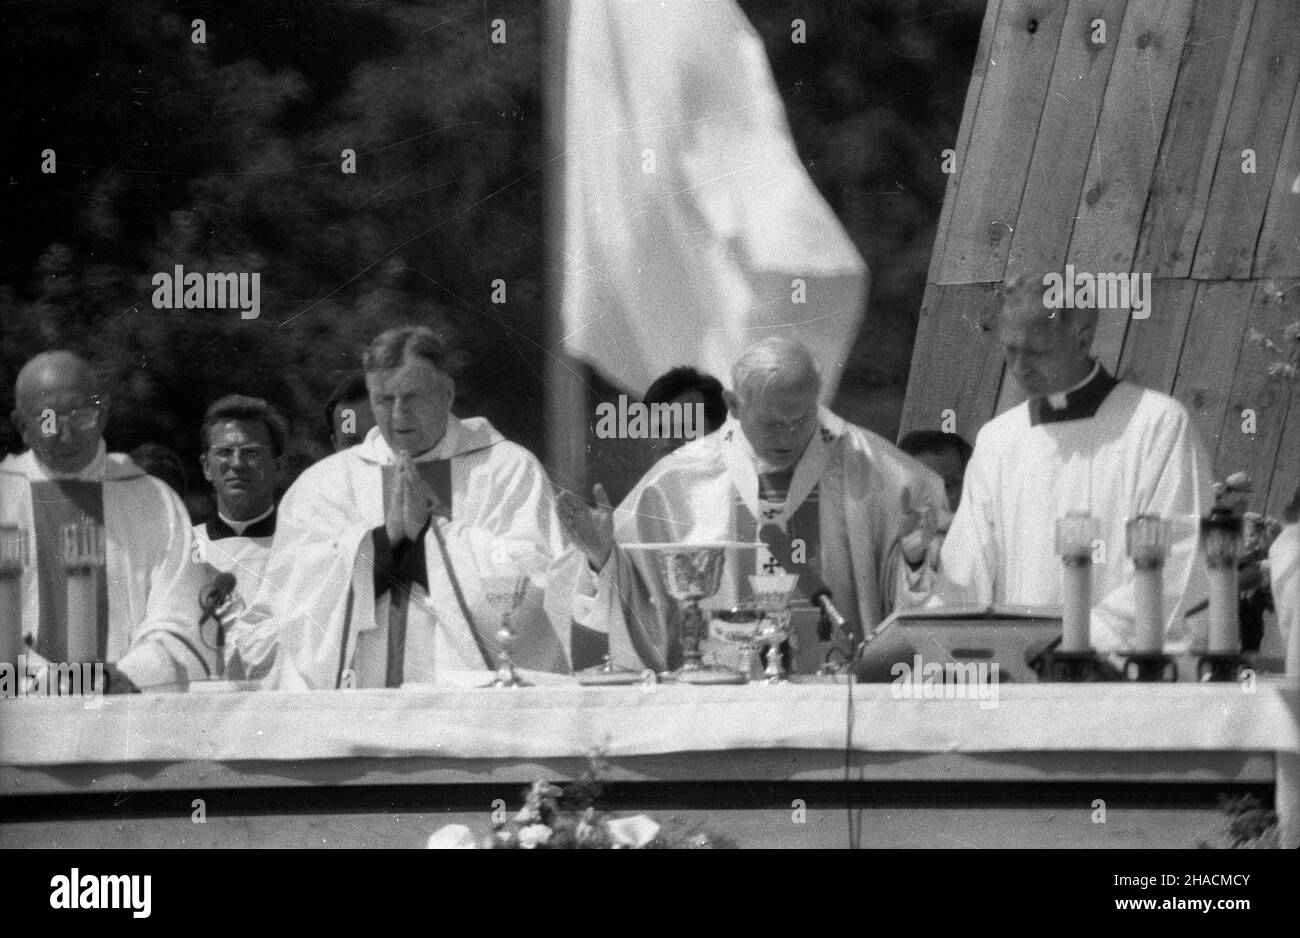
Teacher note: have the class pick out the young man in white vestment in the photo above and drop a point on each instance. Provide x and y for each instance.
(146, 610)
(381, 551)
(242, 440)
(1082, 442)
(844, 496)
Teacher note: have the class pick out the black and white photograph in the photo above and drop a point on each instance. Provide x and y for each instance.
(651, 424)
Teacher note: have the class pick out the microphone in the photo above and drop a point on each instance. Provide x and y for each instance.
(810, 583)
(214, 594)
(210, 599)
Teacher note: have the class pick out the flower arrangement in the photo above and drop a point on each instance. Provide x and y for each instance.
(1251, 826)
(565, 817)
(1287, 352)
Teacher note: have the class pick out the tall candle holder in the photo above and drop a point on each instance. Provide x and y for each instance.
(1074, 660)
(83, 559)
(1221, 541)
(1148, 539)
(13, 560)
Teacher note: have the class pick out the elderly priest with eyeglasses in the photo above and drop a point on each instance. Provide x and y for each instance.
(384, 552)
(72, 513)
(843, 499)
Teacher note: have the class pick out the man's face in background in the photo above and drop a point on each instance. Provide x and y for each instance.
(240, 464)
(411, 404)
(948, 465)
(352, 421)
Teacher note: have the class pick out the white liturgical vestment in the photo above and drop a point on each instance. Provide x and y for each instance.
(151, 575)
(709, 490)
(1115, 451)
(325, 606)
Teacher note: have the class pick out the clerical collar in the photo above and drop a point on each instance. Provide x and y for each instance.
(261, 526)
(1080, 402)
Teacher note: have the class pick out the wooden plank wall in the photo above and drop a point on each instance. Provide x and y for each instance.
(1128, 155)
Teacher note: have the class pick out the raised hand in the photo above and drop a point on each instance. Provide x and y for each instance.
(591, 525)
(916, 529)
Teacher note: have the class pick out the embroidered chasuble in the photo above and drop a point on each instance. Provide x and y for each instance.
(55, 504)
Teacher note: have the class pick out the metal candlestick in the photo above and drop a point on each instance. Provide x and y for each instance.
(1221, 540)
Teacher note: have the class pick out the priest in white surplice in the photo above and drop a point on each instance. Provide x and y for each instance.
(1084, 442)
(148, 604)
(380, 551)
(842, 494)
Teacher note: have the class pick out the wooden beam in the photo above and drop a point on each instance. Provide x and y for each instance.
(962, 145)
(1278, 251)
(958, 360)
(1264, 399)
(1133, 116)
(1005, 126)
(1286, 465)
(1065, 138)
(1218, 324)
(1152, 346)
(1257, 123)
(1189, 149)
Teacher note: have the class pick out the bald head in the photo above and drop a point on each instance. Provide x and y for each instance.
(774, 397)
(60, 412)
(54, 373)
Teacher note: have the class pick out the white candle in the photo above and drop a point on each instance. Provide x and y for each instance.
(1225, 630)
(1077, 606)
(1075, 533)
(1149, 609)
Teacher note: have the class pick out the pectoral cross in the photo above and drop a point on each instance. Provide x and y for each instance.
(771, 565)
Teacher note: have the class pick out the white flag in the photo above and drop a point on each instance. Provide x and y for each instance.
(690, 228)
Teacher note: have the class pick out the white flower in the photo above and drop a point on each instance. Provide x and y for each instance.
(634, 832)
(534, 835)
(451, 837)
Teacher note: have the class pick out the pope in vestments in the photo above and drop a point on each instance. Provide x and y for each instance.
(147, 609)
(382, 551)
(1082, 442)
(844, 497)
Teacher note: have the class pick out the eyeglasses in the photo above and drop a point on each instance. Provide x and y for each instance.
(249, 455)
(48, 422)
